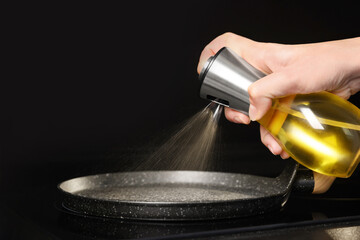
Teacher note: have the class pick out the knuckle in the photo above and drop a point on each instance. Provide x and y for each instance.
(253, 91)
(227, 35)
(293, 79)
(227, 38)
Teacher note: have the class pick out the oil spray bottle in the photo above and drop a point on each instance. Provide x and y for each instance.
(320, 130)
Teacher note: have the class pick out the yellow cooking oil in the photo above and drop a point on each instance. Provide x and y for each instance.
(321, 131)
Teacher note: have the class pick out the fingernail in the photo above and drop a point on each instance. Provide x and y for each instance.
(252, 113)
(284, 155)
(237, 120)
(270, 148)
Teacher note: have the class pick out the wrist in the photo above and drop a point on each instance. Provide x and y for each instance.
(352, 58)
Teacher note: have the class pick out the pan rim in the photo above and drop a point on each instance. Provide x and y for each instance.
(177, 203)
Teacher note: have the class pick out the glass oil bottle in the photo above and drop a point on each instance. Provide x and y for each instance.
(320, 130)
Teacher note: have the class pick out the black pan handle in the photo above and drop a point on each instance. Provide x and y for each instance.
(304, 182)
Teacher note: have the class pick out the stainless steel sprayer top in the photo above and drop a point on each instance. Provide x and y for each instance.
(225, 79)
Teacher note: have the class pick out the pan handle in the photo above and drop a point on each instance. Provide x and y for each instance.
(309, 182)
(304, 182)
(299, 179)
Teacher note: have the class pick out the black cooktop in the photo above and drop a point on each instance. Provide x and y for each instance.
(35, 212)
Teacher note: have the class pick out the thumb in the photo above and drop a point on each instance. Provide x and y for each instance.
(274, 85)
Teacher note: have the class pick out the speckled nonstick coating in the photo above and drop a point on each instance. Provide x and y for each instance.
(177, 195)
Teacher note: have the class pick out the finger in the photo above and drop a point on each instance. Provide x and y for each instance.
(284, 155)
(275, 85)
(269, 141)
(236, 117)
(244, 47)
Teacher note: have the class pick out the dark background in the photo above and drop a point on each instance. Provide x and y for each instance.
(92, 86)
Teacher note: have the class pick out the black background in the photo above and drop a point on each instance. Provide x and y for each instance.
(91, 84)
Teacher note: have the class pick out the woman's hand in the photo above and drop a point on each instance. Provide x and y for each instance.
(292, 69)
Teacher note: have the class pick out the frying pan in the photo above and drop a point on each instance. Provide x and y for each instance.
(182, 195)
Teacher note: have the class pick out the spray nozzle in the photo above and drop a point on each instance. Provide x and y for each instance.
(225, 79)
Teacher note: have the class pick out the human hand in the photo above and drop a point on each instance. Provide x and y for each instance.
(292, 69)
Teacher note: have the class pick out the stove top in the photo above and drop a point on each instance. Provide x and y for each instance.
(37, 214)
(291, 217)
(31, 208)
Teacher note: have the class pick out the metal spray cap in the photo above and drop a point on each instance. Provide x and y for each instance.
(225, 79)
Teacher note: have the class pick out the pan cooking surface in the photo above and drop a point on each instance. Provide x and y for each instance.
(166, 187)
(166, 193)
(176, 195)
